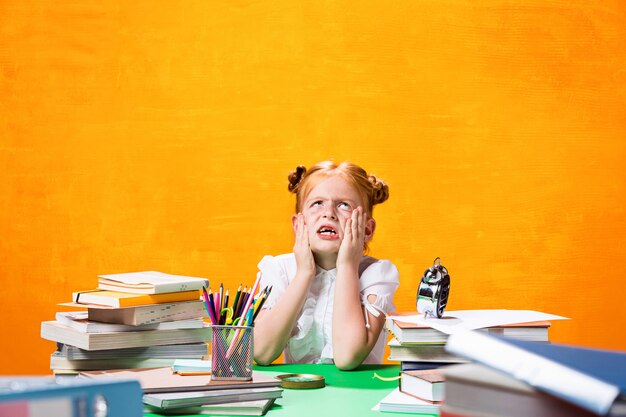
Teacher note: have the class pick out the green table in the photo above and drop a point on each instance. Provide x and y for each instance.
(347, 393)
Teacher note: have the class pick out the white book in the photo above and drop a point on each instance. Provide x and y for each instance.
(243, 408)
(198, 398)
(150, 282)
(55, 331)
(185, 351)
(78, 320)
(60, 362)
(399, 402)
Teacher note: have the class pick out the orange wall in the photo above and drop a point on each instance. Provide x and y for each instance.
(159, 136)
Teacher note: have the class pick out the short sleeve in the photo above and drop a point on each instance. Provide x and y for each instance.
(275, 274)
(381, 278)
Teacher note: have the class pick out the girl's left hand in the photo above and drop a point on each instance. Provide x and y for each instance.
(351, 249)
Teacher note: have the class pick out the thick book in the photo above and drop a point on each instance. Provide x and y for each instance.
(182, 351)
(55, 331)
(399, 402)
(169, 400)
(476, 390)
(593, 379)
(79, 320)
(22, 396)
(243, 408)
(417, 333)
(123, 299)
(148, 314)
(59, 362)
(150, 282)
(422, 352)
(427, 385)
(164, 380)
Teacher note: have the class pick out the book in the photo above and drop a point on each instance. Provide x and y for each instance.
(123, 299)
(418, 333)
(59, 362)
(164, 380)
(148, 314)
(150, 282)
(593, 379)
(182, 366)
(416, 365)
(183, 351)
(79, 320)
(476, 390)
(427, 385)
(399, 402)
(422, 352)
(243, 408)
(22, 396)
(55, 331)
(169, 400)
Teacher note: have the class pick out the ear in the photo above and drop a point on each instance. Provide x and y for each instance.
(294, 222)
(370, 227)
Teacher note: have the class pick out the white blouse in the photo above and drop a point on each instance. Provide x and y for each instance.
(311, 338)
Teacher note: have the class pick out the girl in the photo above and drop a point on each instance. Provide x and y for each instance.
(328, 301)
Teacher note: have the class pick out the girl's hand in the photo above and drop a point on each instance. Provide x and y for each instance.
(304, 257)
(351, 249)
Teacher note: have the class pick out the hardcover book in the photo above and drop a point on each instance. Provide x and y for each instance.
(164, 380)
(150, 282)
(169, 400)
(421, 352)
(427, 385)
(419, 333)
(53, 330)
(243, 408)
(183, 351)
(123, 299)
(473, 389)
(593, 379)
(79, 320)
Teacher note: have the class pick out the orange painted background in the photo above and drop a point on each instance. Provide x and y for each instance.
(158, 135)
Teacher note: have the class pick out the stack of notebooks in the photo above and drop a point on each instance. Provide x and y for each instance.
(132, 320)
(418, 346)
(166, 392)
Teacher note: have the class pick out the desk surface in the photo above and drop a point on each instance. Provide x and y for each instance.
(346, 394)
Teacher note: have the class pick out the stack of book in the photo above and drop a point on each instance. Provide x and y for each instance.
(512, 378)
(133, 320)
(418, 346)
(167, 392)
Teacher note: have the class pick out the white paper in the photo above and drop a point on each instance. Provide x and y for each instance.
(455, 321)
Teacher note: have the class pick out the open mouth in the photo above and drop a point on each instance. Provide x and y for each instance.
(327, 231)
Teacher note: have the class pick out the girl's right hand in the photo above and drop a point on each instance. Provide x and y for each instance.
(302, 249)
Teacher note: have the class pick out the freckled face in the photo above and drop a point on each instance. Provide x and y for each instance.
(326, 209)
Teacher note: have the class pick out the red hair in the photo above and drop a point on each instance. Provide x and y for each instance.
(371, 189)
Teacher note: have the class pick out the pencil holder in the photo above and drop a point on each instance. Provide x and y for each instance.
(232, 351)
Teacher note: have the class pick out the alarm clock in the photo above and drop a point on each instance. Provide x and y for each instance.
(434, 290)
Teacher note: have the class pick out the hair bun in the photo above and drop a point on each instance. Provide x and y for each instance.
(295, 177)
(380, 190)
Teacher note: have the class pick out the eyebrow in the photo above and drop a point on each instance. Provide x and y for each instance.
(348, 200)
